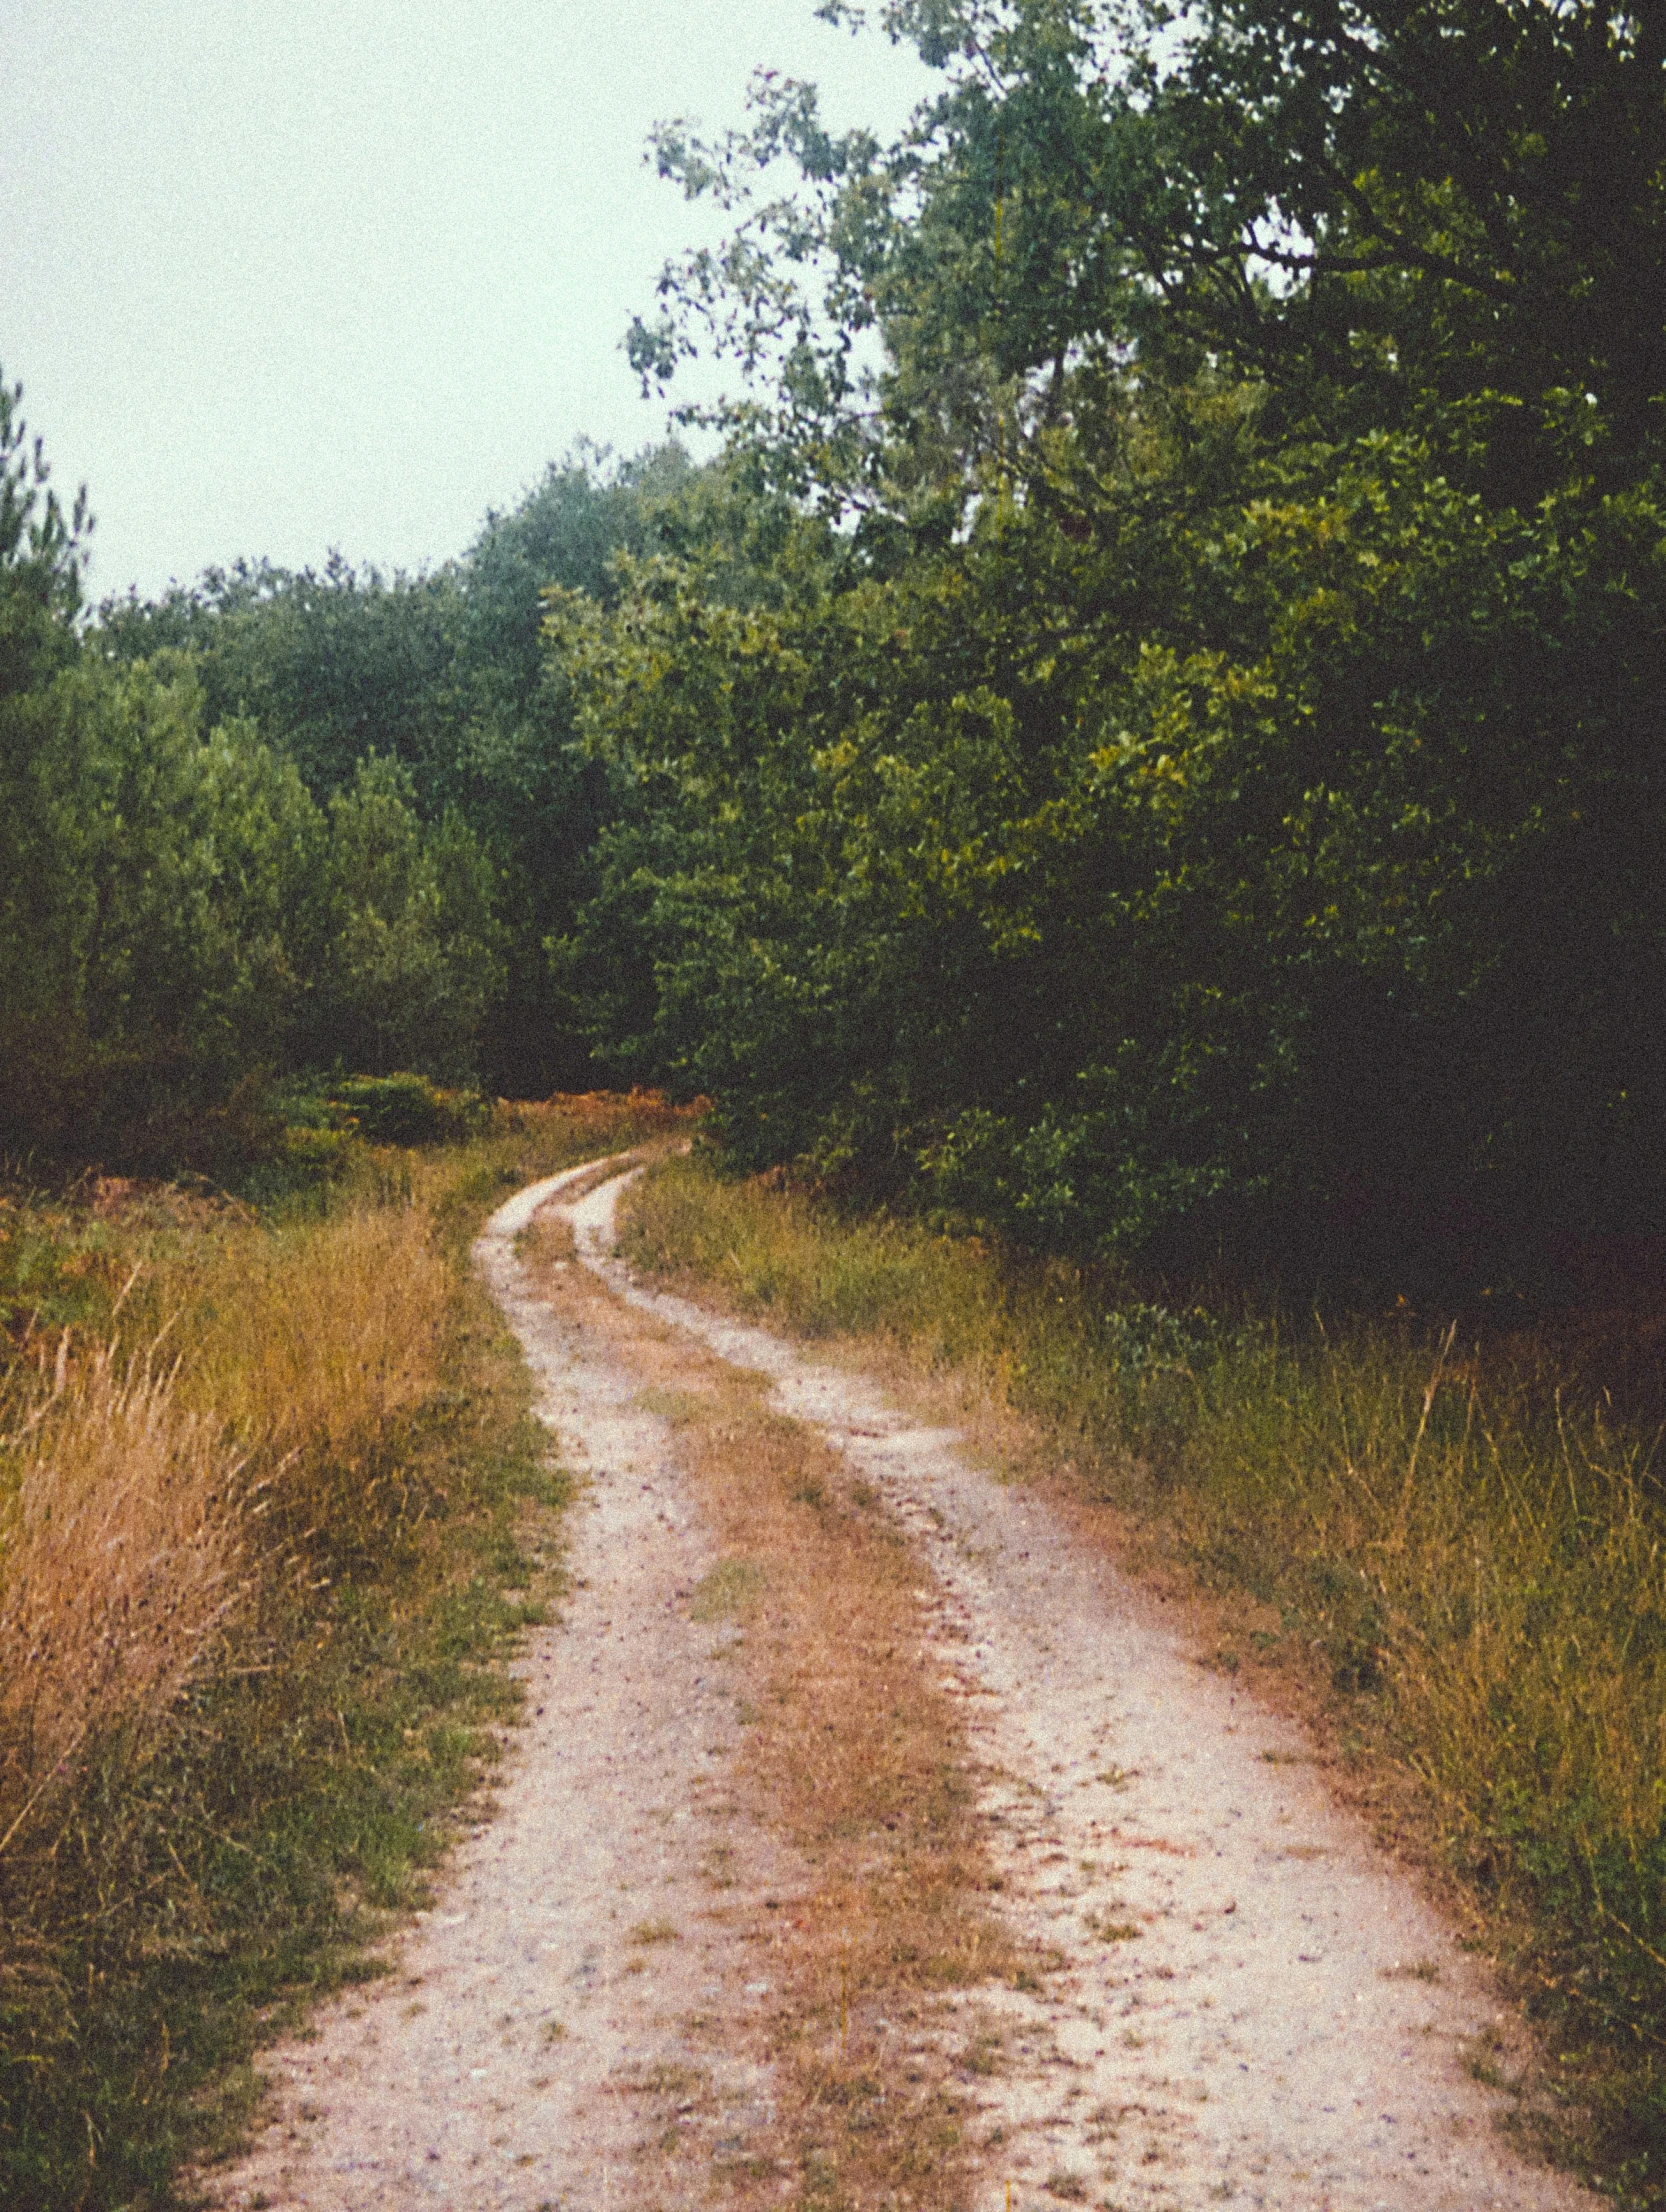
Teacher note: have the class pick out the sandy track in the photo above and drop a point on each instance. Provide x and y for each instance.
(1252, 2005)
(545, 2039)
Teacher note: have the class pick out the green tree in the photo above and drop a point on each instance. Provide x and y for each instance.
(410, 952)
(42, 556)
(1238, 825)
(443, 673)
(151, 948)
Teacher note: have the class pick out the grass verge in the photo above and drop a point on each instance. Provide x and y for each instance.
(1460, 1575)
(272, 1513)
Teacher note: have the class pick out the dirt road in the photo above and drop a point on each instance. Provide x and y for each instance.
(1243, 2002)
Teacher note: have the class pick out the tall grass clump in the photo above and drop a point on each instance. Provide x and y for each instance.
(775, 1251)
(315, 1344)
(1470, 1548)
(1491, 1569)
(120, 1566)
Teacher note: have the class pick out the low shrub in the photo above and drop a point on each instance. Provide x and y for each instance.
(409, 1109)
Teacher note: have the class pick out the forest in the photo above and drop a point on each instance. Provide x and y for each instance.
(1101, 822)
(1145, 741)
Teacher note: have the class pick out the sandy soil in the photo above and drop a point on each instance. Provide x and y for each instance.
(1249, 2003)
(572, 2023)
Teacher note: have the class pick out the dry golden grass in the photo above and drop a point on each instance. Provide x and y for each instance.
(321, 1338)
(120, 1562)
(141, 1491)
(313, 1345)
(857, 1758)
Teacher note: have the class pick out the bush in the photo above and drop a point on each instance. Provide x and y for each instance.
(409, 1109)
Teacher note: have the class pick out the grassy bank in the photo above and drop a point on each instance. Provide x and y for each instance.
(1469, 1570)
(272, 1512)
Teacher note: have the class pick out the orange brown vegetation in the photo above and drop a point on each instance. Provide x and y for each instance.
(600, 1118)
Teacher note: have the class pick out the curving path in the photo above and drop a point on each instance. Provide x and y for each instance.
(1250, 2005)
(545, 2037)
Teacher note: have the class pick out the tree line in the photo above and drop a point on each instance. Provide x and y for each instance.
(1147, 740)
(277, 824)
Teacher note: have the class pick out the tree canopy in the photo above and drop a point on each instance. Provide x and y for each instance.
(1204, 793)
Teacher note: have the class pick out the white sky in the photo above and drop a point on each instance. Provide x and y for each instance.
(281, 275)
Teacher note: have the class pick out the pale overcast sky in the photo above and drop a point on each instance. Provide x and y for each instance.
(283, 276)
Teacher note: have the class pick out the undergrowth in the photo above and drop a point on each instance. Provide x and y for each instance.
(272, 1510)
(1473, 1557)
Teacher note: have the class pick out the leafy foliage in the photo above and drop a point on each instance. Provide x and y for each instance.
(1147, 737)
(1195, 793)
(440, 678)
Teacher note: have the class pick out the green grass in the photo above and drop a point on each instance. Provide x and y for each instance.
(1474, 1560)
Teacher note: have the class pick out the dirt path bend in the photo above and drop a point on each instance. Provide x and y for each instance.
(570, 2025)
(1252, 2005)
(1248, 2006)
